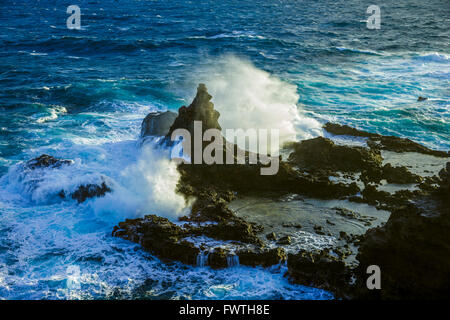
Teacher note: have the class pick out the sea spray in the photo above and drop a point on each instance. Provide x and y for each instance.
(251, 98)
(147, 186)
(143, 180)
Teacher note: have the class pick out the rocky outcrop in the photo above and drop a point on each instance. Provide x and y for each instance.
(159, 236)
(246, 179)
(322, 154)
(261, 257)
(444, 182)
(157, 123)
(201, 109)
(46, 161)
(87, 191)
(378, 141)
(412, 251)
(82, 192)
(399, 175)
(344, 130)
(320, 269)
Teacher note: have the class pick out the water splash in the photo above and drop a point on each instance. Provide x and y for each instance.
(233, 261)
(202, 259)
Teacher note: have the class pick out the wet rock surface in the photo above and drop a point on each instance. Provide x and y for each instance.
(87, 191)
(327, 197)
(46, 161)
(81, 193)
(159, 236)
(157, 123)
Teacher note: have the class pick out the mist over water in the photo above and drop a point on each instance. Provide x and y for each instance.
(251, 98)
(82, 95)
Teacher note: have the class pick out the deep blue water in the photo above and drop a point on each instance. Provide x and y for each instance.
(81, 94)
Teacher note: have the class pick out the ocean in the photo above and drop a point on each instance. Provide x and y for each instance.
(82, 95)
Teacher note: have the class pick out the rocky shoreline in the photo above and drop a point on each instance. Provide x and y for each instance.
(316, 190)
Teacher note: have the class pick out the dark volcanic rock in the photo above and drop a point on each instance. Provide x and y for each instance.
(341, 130)
(246, 179)
(322, 153)
(84, 192)
(218, 258)
(399, 175)
(285, 240)
(157, 123)
(397, 144)
(444, 182)
(201, 109)
(413, 252)
(422, 98)
(271, 236)
(46, 161)
(228, 227)
(261, 257)
(377, 141)
(319, 269)
(238, 229)
(159, 236)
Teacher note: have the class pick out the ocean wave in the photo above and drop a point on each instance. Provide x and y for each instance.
(233, 34)
(435, 57)
(53, 111)
(370, 52)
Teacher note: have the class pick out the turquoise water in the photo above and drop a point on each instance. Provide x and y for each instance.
(81, 94)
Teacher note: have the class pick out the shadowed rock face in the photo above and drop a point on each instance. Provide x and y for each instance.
(412, 251)
(444, 175)
(319, 269)
(157, 124)
(262, 257)
(201, 109)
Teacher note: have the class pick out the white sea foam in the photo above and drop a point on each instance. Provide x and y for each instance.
(143, 181)
(251, 98)
(433, 57)
(54, 112)
(146, 187)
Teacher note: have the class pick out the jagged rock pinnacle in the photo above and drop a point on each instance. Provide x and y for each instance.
(201, 109)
